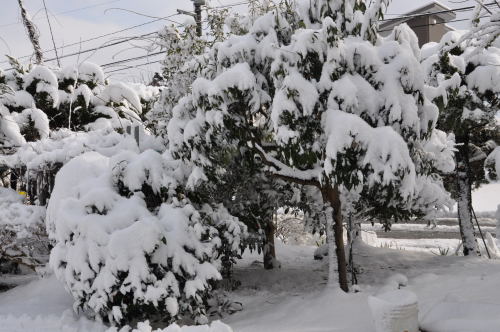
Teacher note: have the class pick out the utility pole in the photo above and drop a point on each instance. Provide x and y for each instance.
(197, 14)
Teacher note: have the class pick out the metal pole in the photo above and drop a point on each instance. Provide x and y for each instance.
(481, 233)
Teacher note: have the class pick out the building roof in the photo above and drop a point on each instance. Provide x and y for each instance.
(435, 7)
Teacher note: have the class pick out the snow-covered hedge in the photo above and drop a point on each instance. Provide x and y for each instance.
(39, 99)
(23, 240)
(49, 115)
(129, 243)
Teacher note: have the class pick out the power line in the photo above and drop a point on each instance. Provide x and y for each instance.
(103, 46)
(224, 6)
(401, 17)
(109, 64)
(166, 18)
(229, 5)
(134, 66)
(51, 33)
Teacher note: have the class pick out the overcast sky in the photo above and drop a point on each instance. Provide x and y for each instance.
(75, 20)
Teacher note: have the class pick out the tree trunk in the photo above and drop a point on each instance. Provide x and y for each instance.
(464, 199)
(332, 196)
(269, 249)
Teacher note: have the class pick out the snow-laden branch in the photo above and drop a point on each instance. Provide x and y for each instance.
(280, 170)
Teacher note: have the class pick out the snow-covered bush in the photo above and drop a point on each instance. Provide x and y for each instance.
(23, 240)
(130, 245)
(42, 99)
(42, 105)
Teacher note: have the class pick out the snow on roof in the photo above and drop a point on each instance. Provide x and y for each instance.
(431, 7)
(431, 4)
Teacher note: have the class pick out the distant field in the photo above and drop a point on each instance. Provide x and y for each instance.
(417, 235)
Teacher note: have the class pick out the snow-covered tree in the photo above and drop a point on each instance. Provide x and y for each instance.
(130, 244)
(185, 53)
(186, 59)
(251, 196)
(322, 101)
(484, 30)
(465, 86)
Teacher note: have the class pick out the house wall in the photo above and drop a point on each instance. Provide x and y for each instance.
(425, 28)
(437, 31)
(420, 25)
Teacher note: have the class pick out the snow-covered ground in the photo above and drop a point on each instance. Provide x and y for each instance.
(455, 294)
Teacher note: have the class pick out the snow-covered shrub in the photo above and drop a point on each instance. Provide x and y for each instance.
(215, 326)
(72, 97)
(42, 103)
(40, 99)
(23, 240)
(130, 245)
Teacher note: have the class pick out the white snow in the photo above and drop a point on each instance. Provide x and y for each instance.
(90, 72)
(40, 73)
(14, 212)
(293, 300)
(454, 294)
(119, 92)
(9, 128)
(100, 231)
(386, 151)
